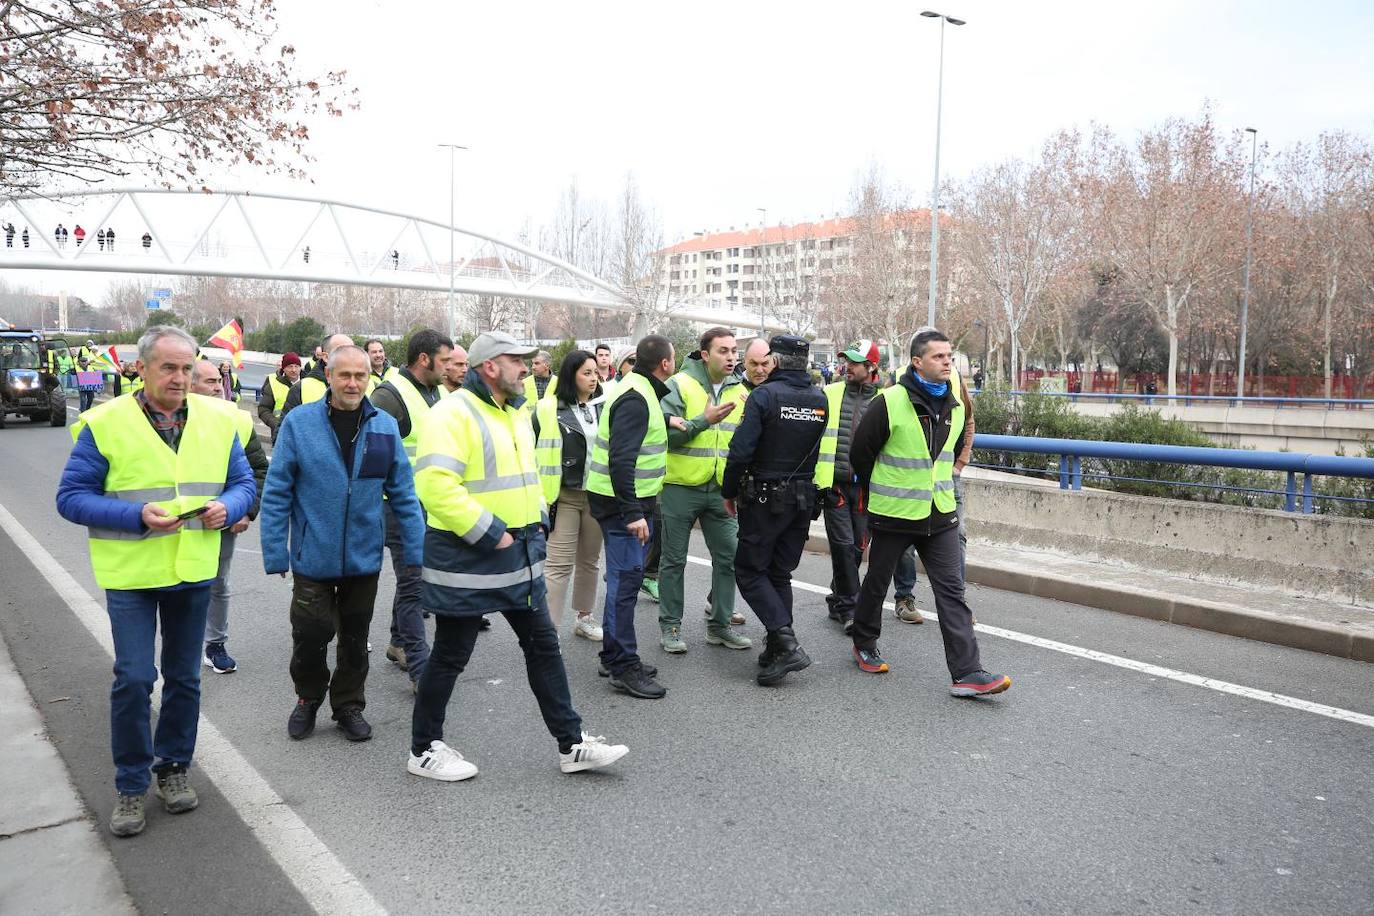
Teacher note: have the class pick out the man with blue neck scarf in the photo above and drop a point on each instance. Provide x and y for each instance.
(903, 455)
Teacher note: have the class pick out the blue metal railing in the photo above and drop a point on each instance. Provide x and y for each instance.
(1111, 397)
(1071, 453)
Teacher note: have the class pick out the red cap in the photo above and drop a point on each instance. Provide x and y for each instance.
(290, 359)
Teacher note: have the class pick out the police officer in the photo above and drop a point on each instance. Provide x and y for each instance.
(769, 485)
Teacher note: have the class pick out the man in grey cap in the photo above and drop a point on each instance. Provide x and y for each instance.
(476, 476)
(769, 485)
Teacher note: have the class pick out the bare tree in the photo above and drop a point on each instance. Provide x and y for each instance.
(1168, 212)
(96, 88)
(1018, 226)
(636, 238)
(878, 287)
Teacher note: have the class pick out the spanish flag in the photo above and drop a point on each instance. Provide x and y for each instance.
(230, 337)
(108, 360)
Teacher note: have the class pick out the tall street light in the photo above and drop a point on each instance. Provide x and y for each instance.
(452, 148)
(1249, 235)
(763, 246)
(935, 189)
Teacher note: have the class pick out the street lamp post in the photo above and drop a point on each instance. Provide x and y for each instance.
(452, 148)
(763, 247)
(1249, 236)
(935, 187)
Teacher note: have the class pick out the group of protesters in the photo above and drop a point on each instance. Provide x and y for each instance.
(503, 485)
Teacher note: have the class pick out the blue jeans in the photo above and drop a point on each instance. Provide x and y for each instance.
(407, 610)
(217, 621)
(85, 400)
(624, 574)
(904, 579)
(134, 619)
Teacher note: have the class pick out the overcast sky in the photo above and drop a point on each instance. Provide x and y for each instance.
(720, 108)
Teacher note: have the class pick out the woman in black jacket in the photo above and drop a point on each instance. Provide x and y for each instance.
(575, 542)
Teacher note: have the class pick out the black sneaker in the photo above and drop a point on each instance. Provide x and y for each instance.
(351, 722)
(650, 670)
(848, 625)
(302, 721)
(637, 683)
(979, 684)
(787, 656)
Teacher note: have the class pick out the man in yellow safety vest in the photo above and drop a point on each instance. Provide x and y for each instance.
(903, 455)
(484, 552)
(155, 477)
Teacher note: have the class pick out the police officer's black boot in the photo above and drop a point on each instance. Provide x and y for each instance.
(787, 656)
(770, 649)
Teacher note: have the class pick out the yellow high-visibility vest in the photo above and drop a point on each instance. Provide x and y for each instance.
(906, 481)
(651, 465)
(703, 456)
(144, 469)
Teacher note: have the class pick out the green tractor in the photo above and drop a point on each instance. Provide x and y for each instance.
(31, 370)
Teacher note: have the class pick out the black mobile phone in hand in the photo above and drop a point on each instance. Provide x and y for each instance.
(193, 513)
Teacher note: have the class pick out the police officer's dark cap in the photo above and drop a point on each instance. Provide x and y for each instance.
(789, 345)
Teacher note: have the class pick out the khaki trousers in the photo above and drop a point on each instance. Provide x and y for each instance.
(575, 543)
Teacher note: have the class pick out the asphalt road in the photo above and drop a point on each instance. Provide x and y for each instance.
(1087, 787)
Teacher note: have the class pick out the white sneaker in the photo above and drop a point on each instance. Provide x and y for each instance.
(441, 762)
(587, 628)
(592, 754)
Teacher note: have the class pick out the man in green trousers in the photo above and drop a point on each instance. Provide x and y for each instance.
(702, 407)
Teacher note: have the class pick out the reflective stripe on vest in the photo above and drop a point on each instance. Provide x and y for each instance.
(312, 389)
(906, 481)
(548, 448)
(144, 469)
(651, 465)
(702, 457)
(417, 408)
(825, 463)
(503, 483)
(279, 392)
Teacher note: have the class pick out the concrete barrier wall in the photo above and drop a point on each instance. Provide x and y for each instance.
(1270, 429)
(1315, 556)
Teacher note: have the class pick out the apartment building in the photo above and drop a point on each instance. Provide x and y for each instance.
(781, 270)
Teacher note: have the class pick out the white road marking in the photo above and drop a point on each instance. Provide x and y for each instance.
(1130, 664)
(326, 884)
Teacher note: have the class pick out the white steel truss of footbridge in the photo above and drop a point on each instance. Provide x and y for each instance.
(287, 237)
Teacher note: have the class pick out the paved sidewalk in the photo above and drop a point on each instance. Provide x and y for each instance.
(52, 860)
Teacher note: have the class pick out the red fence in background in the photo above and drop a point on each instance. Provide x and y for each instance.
(1224, 383)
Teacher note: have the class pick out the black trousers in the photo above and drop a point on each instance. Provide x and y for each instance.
(769, 549)
(942, 556)
(321, 609)
(846, 528)
(454, 638)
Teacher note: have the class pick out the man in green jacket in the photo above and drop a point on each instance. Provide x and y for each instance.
(702, 407)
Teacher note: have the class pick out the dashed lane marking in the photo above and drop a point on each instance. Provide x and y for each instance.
(1130, 664)
(326, 884)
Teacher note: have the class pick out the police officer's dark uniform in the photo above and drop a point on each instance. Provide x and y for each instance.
(769, 472)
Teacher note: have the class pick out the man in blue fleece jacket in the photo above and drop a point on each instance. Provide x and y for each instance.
(321, 519)
(155, 477)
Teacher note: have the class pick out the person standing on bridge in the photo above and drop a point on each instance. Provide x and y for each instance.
(903, 455)
(109, 239)
(79, 234)
(314, 384)
(407, 397)
(155, 477)
(206, 381)
(9, 235)
(272, 395)
(322, 519)
(484, 552)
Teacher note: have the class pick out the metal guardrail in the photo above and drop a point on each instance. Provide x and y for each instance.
(1188, 399)
(1071, 453)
